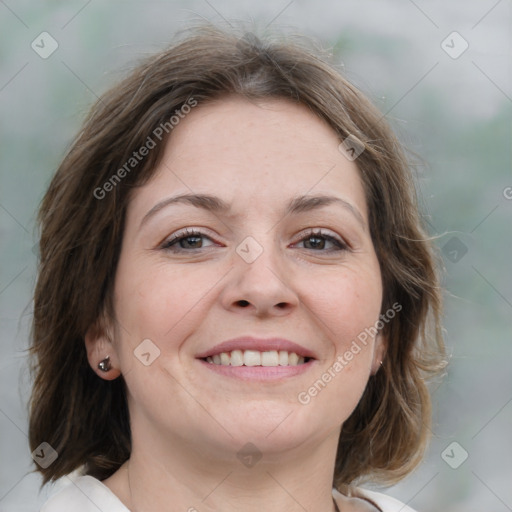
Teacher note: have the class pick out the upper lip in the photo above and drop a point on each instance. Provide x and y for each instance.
(259, 344)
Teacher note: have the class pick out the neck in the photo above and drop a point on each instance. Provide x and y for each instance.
(192, 480)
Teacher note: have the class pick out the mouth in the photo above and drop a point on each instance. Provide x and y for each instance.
(260, 359)
(268, 358)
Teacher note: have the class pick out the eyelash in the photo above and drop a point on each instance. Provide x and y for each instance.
(318, 233)
(182, 235)
(169, 245)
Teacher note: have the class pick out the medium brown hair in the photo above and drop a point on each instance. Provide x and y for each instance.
(85, 418)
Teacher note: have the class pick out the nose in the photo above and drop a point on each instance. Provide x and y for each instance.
(261, 288)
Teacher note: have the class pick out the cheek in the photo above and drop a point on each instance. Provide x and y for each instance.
(158, 301)
(163, 304)
(347, 307)
(347, 303)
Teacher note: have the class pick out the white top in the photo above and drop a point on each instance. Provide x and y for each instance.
(87, 494)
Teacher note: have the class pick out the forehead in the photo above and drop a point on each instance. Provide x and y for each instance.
(252, 155)
(236, 128)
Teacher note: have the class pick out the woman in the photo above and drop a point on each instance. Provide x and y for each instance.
(236, 306)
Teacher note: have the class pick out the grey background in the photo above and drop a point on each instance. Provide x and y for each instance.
(455, 113)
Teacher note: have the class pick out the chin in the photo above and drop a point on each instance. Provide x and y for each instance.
(272, 427)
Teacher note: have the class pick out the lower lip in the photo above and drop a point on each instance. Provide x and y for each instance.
(259, 373)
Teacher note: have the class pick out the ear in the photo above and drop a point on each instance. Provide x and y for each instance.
(98, 345)
(379, 352)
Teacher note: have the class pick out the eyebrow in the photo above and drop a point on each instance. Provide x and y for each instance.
(308, 203)
(216, 205)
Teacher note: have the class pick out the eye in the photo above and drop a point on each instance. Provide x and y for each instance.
(322, 242)
(188, 239)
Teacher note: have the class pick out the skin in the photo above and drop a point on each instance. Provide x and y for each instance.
(188, 422)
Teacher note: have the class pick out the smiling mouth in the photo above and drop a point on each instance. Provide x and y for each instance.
(256, 358)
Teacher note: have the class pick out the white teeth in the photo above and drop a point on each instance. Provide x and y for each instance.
(270, 358)
(256, 358)
(237, 358)
(252, 358)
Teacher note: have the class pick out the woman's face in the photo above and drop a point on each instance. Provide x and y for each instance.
(271, 247)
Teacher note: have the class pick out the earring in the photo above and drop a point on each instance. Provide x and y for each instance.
(105, 365)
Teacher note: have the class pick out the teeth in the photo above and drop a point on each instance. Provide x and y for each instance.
(293, 359)
(270, 358)
(237, 358)
(252, 358)
(256, 358)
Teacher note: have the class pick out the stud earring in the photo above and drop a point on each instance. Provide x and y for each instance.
(105, 365)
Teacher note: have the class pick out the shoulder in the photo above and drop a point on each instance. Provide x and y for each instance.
(384, 502)
(83, 494)
(376, 501)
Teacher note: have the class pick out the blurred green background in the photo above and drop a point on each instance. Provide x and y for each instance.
(453, 110)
